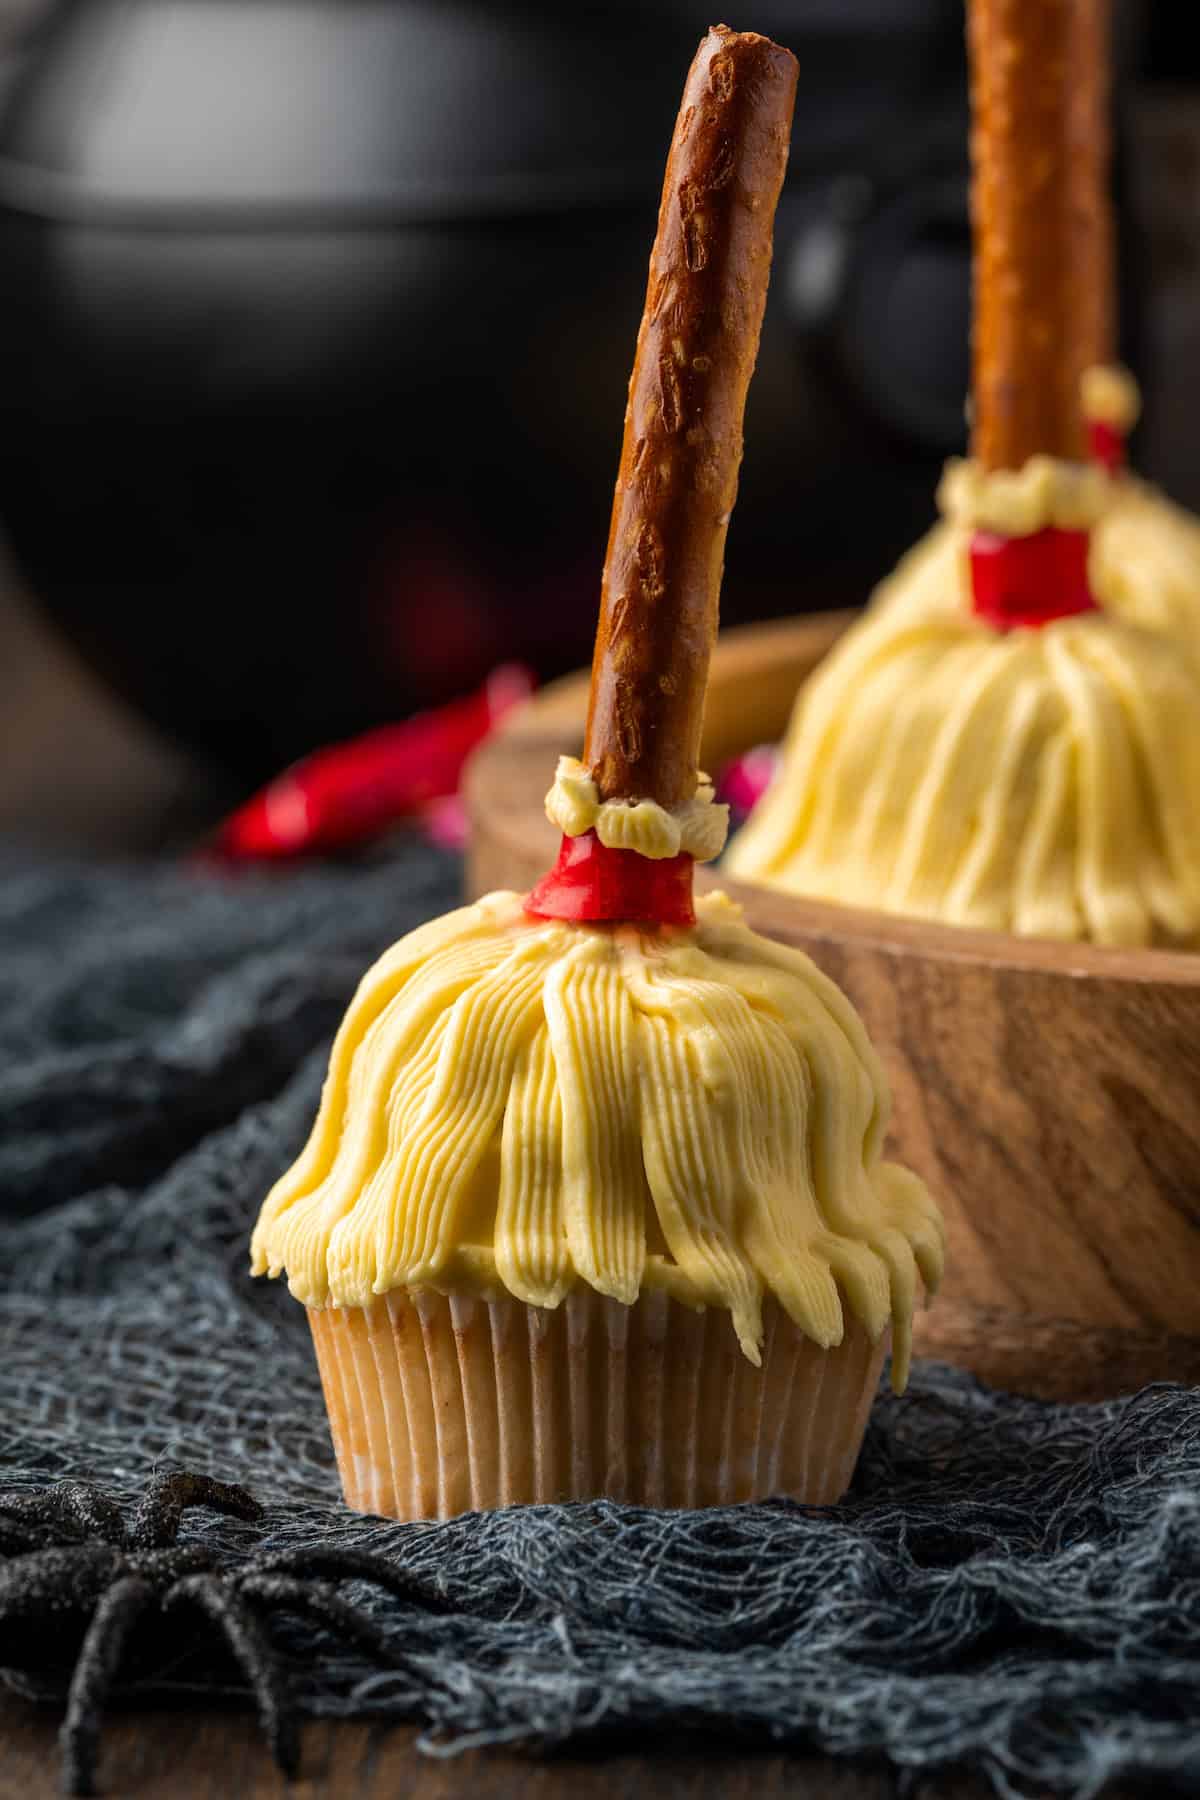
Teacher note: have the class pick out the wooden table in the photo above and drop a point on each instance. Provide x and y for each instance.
(201, 1755)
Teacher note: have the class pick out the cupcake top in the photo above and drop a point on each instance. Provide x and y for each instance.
(1036, 781)
(524, 1104)
(1143, 553)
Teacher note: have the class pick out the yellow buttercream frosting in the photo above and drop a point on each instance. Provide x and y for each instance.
(524, 1104)
(1109, 394)
(1043, 782)
(1145, 564)
(1018, 502)
(699, 828)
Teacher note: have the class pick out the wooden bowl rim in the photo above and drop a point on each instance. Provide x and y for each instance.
(548, 712)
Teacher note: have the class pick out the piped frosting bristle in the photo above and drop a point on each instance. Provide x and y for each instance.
(524, 1105)
(1041, 782)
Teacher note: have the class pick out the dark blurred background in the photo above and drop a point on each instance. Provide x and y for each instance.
(315, 324)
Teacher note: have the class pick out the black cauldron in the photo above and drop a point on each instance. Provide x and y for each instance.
(316, 318)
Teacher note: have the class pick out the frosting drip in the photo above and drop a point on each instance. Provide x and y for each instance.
(521, 1104)
(575, 806)
(1041, 782)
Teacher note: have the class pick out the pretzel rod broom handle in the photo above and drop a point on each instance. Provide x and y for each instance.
(1092, 298)
(1041, 222)
(682, 447)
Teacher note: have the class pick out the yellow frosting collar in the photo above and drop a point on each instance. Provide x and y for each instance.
(575, 806)
(524, 1104)
(1018, 502)
(1109, 394)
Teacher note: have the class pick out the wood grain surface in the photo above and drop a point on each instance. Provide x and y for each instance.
(1046, 1092)
(204, 1755)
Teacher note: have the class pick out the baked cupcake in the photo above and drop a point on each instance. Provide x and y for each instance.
(599, 1209)
(595, 1201)
(1010, 738)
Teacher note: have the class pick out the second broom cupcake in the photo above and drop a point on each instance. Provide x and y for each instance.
(595, 1202)
(1009, 739)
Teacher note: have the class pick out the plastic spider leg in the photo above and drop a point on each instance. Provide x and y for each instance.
(248, 1643)
(61, 1582)
(363, 1565)
(155, 1521)
(164, 1567)
(99, 1658)
(71, 1507)
(320, 1601)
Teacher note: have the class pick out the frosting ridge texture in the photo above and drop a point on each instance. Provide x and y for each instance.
(519, 1104)
(1041, 782)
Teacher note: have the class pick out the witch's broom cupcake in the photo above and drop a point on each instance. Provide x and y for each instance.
(988, 747)
(594, 1203)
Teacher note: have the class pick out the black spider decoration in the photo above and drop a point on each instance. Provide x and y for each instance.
(74, 1560)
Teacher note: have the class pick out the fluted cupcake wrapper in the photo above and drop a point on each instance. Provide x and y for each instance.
(443, 1404)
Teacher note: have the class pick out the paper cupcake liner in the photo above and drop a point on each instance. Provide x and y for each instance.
(446, 1404)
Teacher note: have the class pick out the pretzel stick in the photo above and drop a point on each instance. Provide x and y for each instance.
(1039, 150)
(1091, 337)
(682, 447)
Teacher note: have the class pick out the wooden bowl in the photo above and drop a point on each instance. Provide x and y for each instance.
(1048, 1093)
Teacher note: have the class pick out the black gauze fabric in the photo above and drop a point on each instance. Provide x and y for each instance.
(1009, 1584)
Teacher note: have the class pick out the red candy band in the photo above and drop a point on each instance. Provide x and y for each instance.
(1106, 445)
(678, 475)
(1032, 580)
(592, 885)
